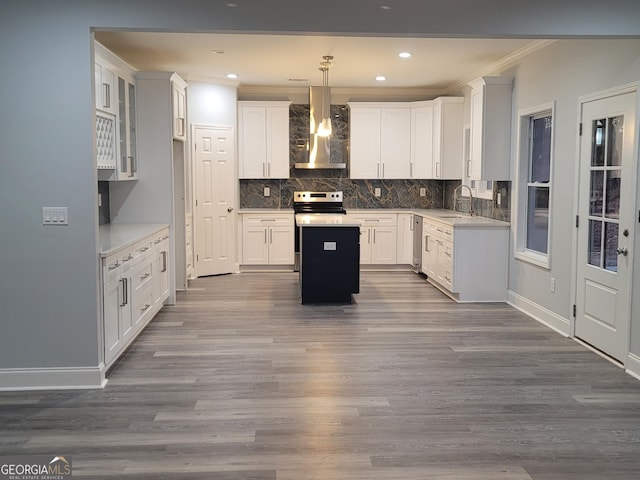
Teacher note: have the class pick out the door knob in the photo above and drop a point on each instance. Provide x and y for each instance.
(230, 209)
(622, 251)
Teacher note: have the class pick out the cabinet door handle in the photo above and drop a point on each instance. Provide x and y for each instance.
(378, 170)
(265, 235)
(164, 261)
(411, 170)
(132, 164)
(383, 170)
(145, 276)
(468, 168)
(374, 235)
(269, 170)
(145, 308)
(369, 236)
(426, 243)
(106, 101)
(270, 236)
(437, 170)
(123, 281)
(264, 169)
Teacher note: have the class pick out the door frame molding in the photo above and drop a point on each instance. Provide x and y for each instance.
(236, 196)
(601, 95)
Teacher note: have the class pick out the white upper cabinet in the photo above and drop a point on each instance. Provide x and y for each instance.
(364, 154)
(105, 81)
(380, 140)
(421, 140)
(179, 108)
(448, 116)
(263, 139)
(115, 101)
(490, 128)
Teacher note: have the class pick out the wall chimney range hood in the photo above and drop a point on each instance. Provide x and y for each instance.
(319, 141)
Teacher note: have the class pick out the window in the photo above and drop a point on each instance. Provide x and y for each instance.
(534, 189)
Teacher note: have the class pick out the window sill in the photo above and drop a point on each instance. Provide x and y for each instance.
(534, 258)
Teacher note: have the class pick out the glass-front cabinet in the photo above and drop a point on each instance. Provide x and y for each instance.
(115, 100)
(127, 166)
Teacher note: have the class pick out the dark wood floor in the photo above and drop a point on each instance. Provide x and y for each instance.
(240, 381)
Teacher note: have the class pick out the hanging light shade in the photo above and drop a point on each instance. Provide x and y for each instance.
(324, 128)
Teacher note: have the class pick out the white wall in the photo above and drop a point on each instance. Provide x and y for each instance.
(49, 276)
(563, 72)
(211, 104)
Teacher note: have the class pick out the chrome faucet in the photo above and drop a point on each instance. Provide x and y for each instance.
(459, 187)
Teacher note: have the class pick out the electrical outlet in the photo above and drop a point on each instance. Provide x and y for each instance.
(267, 192)
(552, 287)
(376, 191)
(423, 192)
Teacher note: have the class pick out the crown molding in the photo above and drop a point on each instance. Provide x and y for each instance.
(505, 62)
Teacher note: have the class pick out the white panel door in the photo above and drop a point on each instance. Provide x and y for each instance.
(281, 245)
(606, 223)
(383, 245)
(215, 201)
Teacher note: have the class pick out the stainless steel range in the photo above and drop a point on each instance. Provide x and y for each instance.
(315, 203)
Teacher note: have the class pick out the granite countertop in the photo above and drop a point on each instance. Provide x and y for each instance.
(458, 219)
(113, 237)
(324, 220)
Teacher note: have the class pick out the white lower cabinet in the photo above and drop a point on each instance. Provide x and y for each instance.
(468, 262)
(378, 238)
(135, 286)
(267, 239)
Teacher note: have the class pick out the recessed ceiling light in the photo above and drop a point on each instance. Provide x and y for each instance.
(404, 54)
(381, 78)
(232, 4)
(385, 7)
(232, 75)
(219, 52)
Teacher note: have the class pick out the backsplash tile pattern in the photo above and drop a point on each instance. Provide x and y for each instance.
(299, 139)
(357, 193)
(481, 206)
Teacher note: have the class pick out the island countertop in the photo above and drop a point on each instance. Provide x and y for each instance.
(325, 220)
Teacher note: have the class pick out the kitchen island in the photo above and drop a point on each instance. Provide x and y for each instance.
(329, 258)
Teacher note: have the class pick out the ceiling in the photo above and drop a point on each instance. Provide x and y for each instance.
(293, 60)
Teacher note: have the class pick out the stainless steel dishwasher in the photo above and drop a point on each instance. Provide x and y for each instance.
(416, 225)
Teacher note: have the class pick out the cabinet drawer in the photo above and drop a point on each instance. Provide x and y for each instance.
(141, 275)
(142, 307)
(115, 264)
(386, 219)
(142, 247)
(268, 220)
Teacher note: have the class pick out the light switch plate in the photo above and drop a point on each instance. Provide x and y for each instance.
(55, 216)
(267, 192)
(423, 192)
(376, 191)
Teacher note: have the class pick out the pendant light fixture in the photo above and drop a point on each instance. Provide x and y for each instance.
(324, 129)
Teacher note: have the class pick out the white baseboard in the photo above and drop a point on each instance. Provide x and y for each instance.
(539, 313)
(70, 378)
(633, 365)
